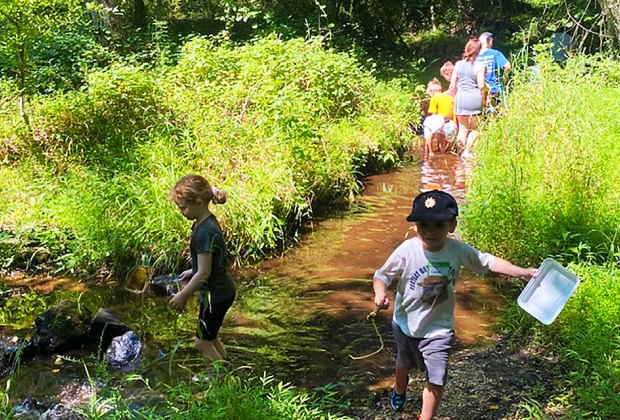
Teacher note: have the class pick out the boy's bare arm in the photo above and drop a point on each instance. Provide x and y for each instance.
(380, 288)
(501, 266)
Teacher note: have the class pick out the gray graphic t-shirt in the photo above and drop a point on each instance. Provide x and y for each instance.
(425, 294)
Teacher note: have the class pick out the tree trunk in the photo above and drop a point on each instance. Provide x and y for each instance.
(108, 19)
(505, 10)
(465, 14)
(611, 9)
(21, 83)
(139, 14)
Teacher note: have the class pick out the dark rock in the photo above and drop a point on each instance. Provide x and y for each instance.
(105, 327)
(30, 408)
(60, 412)
(124, 352)
(166, 286)
(65, 326)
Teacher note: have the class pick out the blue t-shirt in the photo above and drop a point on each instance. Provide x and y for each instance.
(494, 61)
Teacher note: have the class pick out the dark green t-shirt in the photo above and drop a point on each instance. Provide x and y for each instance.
(207, 237)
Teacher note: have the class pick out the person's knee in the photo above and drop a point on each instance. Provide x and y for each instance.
(436, 390)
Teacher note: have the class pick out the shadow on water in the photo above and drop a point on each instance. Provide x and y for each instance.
(302, 317)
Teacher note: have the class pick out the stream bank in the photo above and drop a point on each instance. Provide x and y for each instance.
(303, 318)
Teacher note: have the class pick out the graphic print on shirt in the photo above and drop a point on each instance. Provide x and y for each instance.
(435, 285)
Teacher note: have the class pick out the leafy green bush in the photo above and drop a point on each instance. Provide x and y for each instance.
(62, 60)
(279, 125)
(100, 125)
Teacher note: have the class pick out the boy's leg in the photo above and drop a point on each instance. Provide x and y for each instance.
(431, 396)
(401, 379)
(435, 351)
(408, 357)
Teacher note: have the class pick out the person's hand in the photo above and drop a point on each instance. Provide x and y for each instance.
(179, 301)
(382, 301)
(185, 275)
(528, 274)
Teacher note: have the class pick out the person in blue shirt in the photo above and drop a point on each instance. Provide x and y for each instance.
(495, 62)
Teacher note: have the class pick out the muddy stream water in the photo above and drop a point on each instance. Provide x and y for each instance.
(301, 317)
(324, 327)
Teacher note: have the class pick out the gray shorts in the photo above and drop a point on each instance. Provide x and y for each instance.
(429, 355)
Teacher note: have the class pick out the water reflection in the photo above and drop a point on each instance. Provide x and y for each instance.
(446, 172)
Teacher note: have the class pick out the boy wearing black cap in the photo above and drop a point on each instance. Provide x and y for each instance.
(428, 268)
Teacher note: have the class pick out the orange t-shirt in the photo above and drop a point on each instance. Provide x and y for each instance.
(443, 104)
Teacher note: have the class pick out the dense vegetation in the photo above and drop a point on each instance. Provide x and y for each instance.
(550, 190)
(278, 124)
(285, 105)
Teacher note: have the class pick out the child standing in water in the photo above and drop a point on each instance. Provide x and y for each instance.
(427, 268)
(439, 124)
(209, 273)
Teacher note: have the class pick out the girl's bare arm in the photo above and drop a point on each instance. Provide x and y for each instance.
(198, 279)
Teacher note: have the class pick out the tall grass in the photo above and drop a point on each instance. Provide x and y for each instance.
(546, 179)
(586, 340)
(545, 184)
(280, 125)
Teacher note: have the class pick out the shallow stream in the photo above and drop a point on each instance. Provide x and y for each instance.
(302, 317)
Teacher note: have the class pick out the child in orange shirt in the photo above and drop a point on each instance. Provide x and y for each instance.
(440, 123)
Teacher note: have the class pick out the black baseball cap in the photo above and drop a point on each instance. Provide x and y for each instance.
(433, 206)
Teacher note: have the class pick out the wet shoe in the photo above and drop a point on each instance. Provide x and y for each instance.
(397, 401)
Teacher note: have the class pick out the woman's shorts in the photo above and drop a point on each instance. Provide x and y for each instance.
(211, 317)
(429, 355)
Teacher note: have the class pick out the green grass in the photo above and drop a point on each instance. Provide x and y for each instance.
(193, 394)
(221, 396)
(586, 340)
(545, 185)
